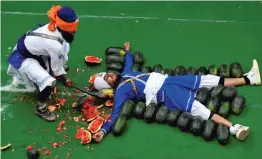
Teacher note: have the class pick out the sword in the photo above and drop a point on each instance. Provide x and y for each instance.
(99, 94)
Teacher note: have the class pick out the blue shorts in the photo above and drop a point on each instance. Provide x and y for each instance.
(178, 92)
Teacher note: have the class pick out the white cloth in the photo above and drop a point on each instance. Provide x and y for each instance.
(47, 47)
(66, 50)
(153, 84)
(31, 73)
(100, 83)
(209, 81)
(198, 109)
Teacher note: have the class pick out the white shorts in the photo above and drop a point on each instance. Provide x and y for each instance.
(209, 81)
(198, 109)
(31, 73)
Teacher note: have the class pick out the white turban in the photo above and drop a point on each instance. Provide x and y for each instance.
(100, 82)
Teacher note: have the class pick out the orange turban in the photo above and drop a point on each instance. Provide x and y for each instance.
(56, 21)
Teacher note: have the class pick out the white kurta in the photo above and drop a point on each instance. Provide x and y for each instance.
(31, 72)
(153, 84)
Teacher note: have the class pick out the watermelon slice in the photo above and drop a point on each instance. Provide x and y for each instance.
(109, 103)
(90, 113)
(92, 60)
(60, 101)
(92, 78)
(96, 124)
(100, 106)
(88, 102)
(55, 90)
(79, 133)
(86, 137)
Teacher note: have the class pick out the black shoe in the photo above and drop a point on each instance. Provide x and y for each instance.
(46, 115)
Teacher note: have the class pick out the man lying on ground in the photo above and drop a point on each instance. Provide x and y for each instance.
(177, 92)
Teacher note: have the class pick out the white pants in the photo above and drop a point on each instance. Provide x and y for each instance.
(198, 109)
(31, 73)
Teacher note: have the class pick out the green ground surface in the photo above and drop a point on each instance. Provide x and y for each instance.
(192, 41)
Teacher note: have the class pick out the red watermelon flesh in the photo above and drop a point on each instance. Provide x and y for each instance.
(86, 137)
(88, 102)
(96, 124)
(109, 103)
(92, 79)
(79, 133)
(90, 113)
(92, 59)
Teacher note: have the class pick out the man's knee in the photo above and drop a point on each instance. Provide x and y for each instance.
(209, 81)
(198, 109)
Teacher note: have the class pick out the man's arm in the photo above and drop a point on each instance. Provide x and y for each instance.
(128, 63)
(119, 99)
(57, 63)
(66, 50)
(128, 58)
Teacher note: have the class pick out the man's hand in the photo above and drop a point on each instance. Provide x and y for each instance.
(68, 82)
(98, 136)
(127, 46)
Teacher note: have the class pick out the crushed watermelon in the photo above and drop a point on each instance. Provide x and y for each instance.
(93, 59)
(92, 78)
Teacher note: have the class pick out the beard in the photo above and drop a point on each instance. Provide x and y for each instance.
(69, 37)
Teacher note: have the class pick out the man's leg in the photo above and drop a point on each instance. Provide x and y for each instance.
(199, 109)
(66, 67)
(45, 81)
(250, 78)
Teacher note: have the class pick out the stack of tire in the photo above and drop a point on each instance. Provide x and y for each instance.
(115, 59)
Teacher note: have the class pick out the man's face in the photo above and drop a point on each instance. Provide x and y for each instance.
(111, 79)
(68, 36)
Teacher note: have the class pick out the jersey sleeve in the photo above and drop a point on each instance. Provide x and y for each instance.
(120, 96)
(128, 63)
(66, 51)
(57, 61)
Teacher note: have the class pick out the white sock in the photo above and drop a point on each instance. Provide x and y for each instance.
(232, 130)
(41, 106)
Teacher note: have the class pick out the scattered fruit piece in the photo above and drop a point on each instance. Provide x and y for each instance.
(74, 104)
(51, 108)
(55, 145)
(5, 147)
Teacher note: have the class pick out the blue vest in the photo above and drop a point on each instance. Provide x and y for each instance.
(21, 53)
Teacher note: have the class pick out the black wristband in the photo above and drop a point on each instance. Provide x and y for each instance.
(221, 81)
(211, 115)
(247, 80)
